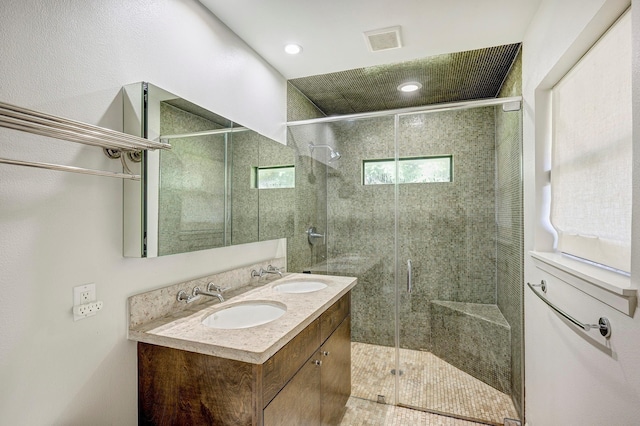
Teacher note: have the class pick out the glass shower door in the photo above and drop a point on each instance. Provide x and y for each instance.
(360, 243)
(430, 252)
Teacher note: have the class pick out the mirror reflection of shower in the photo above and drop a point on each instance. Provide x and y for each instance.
(333, 154)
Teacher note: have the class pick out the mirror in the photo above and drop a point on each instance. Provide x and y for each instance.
(276, 182)
(219, 184)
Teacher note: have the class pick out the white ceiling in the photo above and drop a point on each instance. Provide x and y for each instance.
(331, 31)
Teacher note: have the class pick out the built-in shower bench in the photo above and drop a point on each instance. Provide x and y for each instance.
(474, 337)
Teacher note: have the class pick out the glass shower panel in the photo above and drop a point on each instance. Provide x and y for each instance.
(510, 239)
(358, 223)
(305, 254)
(453, 341)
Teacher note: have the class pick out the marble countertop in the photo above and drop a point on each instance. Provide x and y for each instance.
(184, 330)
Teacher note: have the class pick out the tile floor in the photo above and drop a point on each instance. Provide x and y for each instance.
(361, 412)
(426, 382)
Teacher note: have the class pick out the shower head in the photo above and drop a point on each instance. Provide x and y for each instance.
(333, 154)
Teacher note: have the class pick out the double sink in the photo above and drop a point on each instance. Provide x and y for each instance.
(251, 326)
(257, 312)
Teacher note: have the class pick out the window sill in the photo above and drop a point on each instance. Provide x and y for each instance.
(607, 286)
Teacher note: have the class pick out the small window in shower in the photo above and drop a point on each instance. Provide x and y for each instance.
(275, 177)
(410, 170)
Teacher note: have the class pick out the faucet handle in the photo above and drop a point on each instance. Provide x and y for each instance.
(273, 268)
(184, 297)
(215, 287)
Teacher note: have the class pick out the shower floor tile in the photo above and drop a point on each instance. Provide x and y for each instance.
(361, 412)
(426, 382)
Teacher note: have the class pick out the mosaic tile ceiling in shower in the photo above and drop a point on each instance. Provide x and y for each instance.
(452, 77)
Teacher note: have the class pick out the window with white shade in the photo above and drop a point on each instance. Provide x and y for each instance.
(592, 152)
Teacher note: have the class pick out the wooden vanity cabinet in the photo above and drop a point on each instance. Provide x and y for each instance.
(335, 373)
(299, 402)
(318, 393)
(307, 382)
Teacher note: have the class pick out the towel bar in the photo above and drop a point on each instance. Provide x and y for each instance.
(38, 123)
(71, 169)
(604, 326)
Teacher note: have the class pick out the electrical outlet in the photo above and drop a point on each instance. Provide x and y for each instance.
(84, 294)
(86, 310)
(84, 298)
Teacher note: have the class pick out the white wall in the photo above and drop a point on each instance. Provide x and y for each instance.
(571, 378)
(59, 230)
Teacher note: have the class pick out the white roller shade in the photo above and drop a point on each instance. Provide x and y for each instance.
(592, 152)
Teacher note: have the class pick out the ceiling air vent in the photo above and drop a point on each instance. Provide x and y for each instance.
(383, 39)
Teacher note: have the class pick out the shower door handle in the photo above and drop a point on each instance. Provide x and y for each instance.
(409, 276)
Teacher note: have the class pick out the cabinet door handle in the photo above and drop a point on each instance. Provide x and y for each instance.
(325, 353)
(409, 276)
(317, 362)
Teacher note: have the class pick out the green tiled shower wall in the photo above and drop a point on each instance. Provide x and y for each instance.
(311, 185)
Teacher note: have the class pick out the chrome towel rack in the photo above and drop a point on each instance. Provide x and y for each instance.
(112, 142)
(604, 326)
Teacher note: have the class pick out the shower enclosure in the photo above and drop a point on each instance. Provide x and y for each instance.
(425, 209)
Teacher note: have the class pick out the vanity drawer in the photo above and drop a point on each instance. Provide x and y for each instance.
(282, 366)
(332, 317)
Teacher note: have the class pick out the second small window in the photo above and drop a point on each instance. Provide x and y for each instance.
(275, 177)
(410, 170)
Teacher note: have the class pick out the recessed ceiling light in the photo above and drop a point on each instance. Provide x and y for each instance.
(411, 86)
(293, 49)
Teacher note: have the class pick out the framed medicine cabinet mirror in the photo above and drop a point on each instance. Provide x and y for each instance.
(220, 183)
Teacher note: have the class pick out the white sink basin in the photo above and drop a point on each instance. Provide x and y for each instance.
(300, 287)
(245, 315)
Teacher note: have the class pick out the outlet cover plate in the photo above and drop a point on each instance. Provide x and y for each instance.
(82, 295)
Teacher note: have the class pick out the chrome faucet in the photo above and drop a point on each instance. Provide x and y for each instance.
(273, 270)
(270, 270)
(212, 291)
